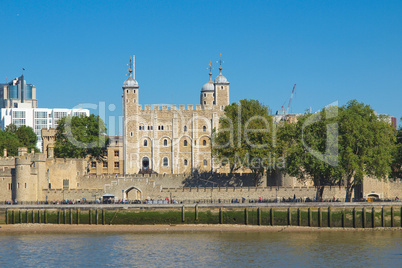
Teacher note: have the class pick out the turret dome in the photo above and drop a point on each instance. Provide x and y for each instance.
(220, 79)
(209, 86)
(130, 82)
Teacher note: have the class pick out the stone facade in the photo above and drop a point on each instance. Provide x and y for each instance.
(112, 162)
(167, 139)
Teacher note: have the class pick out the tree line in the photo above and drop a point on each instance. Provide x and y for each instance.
(335, 146)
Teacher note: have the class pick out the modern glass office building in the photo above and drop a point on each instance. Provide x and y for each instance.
(18, 94)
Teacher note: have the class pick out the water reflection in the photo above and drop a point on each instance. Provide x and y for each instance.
(380, 248)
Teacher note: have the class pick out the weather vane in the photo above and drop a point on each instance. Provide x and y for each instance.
(220, 61)
(210, 67)
(130, 69)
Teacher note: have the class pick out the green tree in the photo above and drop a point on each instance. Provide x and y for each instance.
(80, 136)
(245, 139)
(310, 148)
(27, 137)
(9, 141)
(11, 128)
(366, 144)
(397, 156)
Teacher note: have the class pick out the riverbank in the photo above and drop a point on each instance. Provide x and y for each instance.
(71, 229)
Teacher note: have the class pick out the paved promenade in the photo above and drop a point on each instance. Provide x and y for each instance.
(204, 205)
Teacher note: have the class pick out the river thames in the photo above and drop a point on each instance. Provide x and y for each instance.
(204, 249)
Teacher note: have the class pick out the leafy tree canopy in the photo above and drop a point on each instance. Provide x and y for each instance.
(9, 141)
(80, 136)
(341, 145)
(27, 137)
(245, 139)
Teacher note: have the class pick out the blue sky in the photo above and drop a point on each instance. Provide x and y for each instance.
(77, 51)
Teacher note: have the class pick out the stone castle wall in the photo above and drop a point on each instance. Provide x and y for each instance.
(33, 178)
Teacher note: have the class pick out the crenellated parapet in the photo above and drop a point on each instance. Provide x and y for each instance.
(172, 107)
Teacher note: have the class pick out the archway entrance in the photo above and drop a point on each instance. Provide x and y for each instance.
(145, 163)
(132, 194)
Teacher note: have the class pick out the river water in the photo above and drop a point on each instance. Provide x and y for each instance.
(204, 249)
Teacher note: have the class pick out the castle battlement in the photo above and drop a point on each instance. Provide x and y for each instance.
(7, 161)
(171, 107)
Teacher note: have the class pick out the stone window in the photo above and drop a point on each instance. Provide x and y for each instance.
(127, 100)
(105, 164)
(185, 162)
(116, 164)
(145, 143)
(134, 101)
(185, 143)
(165, 142)
(204, 143)
(185, 128)
(116, 153)
(131, 134)
(93, 164)
(221, 87)
(134, 91)
(205, 102)
(205, 95)
(149, 128)
(25, 185)
(66, 184)
(161, 127)
(205, 162)
(204, 128)
(139, 127)
(165, 161)
(127, 90)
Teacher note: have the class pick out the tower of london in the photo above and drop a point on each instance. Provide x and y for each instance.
(167, 139)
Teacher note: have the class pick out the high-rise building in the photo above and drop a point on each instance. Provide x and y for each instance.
(18, 94)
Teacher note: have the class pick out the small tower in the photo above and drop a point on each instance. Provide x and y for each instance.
(130, 109)
(221, 88)
(207, 97)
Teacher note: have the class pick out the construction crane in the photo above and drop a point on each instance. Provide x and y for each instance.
(284, 112)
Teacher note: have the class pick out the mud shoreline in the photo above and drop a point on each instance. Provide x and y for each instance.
(70, 229)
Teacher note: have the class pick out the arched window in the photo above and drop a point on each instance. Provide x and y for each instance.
(145, 143)
(185, 128)
(165, 161)
(161, 127)
(185, 142)
(185, 162)
(204, 128)
(204, 142)
(205, 162)
(165, 143)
